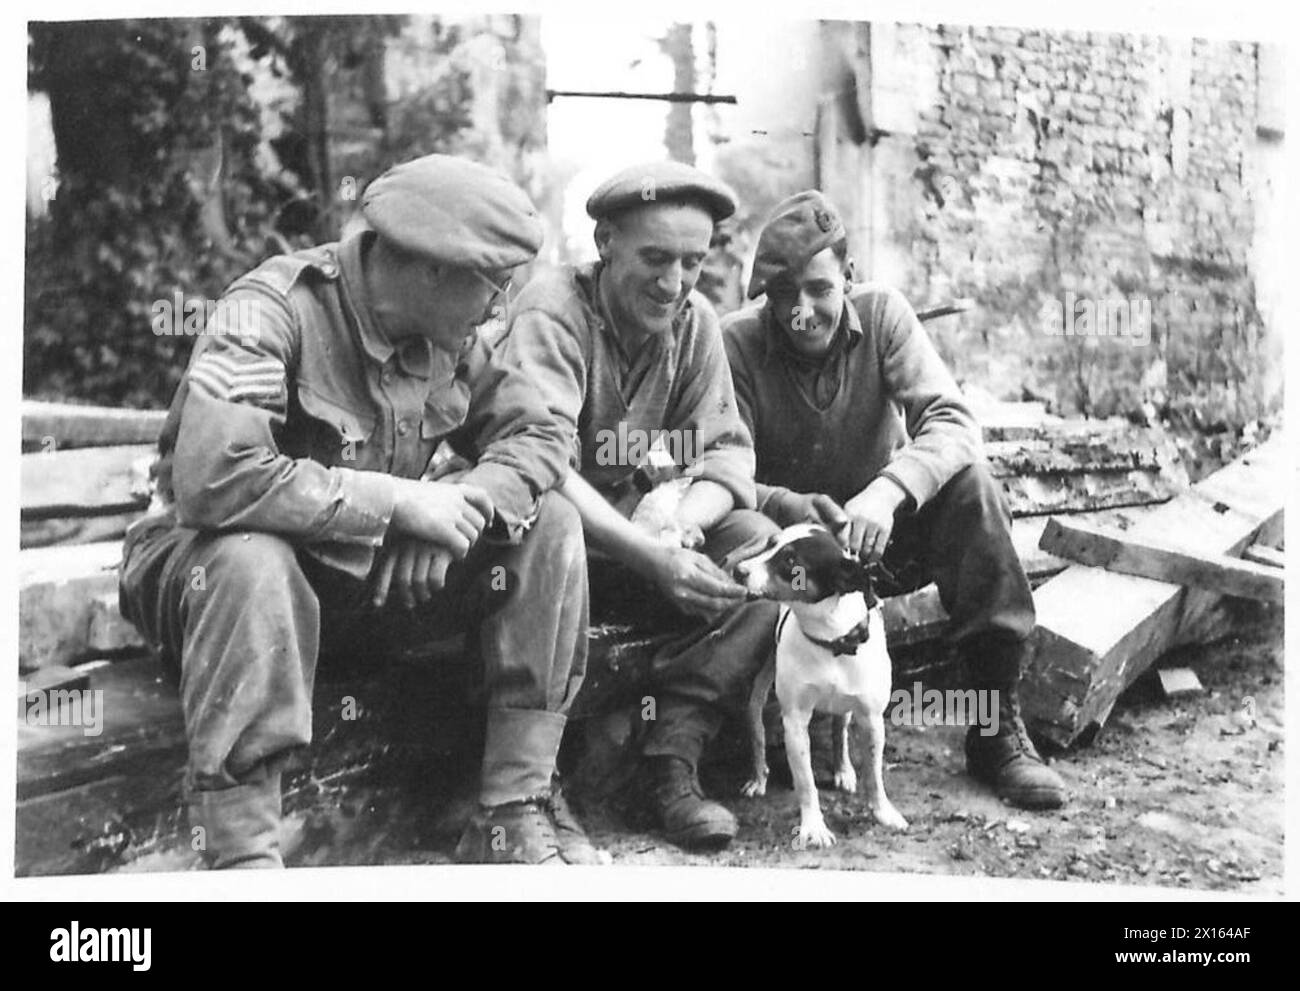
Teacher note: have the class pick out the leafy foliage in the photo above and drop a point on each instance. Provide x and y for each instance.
(147, 143)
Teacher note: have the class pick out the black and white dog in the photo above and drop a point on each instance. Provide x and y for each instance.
(830, 657)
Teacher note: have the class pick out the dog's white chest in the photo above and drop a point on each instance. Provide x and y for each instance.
(810, 677)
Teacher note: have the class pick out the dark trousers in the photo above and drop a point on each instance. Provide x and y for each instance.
(961, 541)
(706, 669)
(241, 619)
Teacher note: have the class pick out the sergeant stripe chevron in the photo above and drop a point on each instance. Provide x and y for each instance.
(237, 378)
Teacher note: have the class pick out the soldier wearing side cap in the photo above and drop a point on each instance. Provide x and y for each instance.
(300, 511)
(626, 346)
(858, 424)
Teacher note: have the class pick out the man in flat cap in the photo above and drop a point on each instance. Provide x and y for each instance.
(627, 353)
(858, 424)
(302, 509)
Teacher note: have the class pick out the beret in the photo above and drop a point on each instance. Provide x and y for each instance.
(662, 182)
(455, 212)
(798, 228)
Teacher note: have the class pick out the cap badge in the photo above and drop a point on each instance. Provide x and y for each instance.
(824, 220)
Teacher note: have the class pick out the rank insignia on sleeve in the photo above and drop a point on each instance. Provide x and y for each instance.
(236, 378)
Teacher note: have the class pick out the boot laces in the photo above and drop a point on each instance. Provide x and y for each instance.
(678, 780)
(1010, 706)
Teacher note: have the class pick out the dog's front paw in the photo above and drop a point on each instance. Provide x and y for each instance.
(889, 817)
(846, 779)
(755, 787)
(812, 834)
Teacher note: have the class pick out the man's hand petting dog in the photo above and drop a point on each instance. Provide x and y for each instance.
(871, 519)
(695, 584)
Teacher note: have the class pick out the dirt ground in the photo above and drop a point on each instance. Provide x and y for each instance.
(1183, 792)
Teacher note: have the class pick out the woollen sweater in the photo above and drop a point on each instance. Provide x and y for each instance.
(882, 402)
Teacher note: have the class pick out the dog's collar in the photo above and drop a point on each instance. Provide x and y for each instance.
(850, 642)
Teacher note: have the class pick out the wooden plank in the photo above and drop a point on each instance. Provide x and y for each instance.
(1040, 495)
(94, 481)
(1086, 465)
(75, 529)
(50, 679)
(57, 590)
(1027, 533)
(51, 427)
(107, 633)
(1179, 681)
(1261, 554)
(1094, 546)
(1097, 631)
(913, 618)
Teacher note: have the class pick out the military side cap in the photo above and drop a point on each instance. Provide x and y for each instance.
(662, 182)
(454, 212)
(798, 228)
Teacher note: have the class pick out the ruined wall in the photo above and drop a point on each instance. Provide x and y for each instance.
(1028, 170)
(1057, 171)
(473, 86)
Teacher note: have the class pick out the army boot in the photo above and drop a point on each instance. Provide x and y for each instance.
(513, 824)
(240, 826)
(687, 818)
(1007, 762)
(519, 832)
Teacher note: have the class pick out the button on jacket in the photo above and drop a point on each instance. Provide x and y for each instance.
(296, 413)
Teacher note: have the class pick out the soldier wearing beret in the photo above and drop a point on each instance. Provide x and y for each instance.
(625, 347)
(858, 424)
(299, 511)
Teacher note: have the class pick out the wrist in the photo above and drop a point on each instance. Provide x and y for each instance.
(646, 558)
(888, 492)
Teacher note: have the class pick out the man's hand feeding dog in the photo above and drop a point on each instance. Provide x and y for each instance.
(830, 657)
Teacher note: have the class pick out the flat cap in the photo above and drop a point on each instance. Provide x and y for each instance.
(798, 228)
(662, 182)
(455, 212)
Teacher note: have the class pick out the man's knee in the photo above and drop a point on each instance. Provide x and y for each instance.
(261, 566)
(559, 528)
(975, 493)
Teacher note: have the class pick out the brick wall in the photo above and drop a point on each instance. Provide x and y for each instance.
(1115, 167)
(1015, 167)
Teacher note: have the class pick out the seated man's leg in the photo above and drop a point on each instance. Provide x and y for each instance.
(697, 678)
(964, 536)
(236, 615)
(529, 604)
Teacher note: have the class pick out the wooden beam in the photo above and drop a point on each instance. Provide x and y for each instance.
(913, 618)
(1072, 466)
(1094, 546)
(58, 426)
(75, 529)
(1262, 554)
(90, 482)
(63, 593)
(1097, 631)
(1179, 681)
